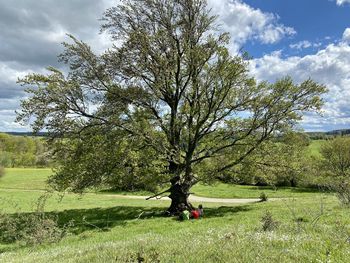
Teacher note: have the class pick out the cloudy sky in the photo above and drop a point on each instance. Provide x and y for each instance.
(300, 38)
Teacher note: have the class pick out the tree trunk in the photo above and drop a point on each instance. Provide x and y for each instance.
(179, 193)
(293, 182)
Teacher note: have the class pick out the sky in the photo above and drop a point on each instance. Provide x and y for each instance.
(299, 38)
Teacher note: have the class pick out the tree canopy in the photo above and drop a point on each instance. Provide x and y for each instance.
(168, 88)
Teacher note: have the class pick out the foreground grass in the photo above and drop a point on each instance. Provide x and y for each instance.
(123, 230)
(312, 227)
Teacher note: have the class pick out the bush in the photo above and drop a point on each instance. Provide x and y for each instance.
(2, 171)
(268, 222)
(336, 157)
(334, 167)
(263, 197)
(342, 191)
(29, 229)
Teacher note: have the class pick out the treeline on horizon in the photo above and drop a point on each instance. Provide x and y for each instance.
(328, 135)
(23, 151)
(312, 135)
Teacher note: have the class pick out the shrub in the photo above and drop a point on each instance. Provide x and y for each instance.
(268, 222)
(335, 166)
(30, 229)
(342, 190)
(2, 171)
(336, 157)
(263, 197)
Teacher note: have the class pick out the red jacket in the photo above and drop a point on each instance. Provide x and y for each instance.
(195, 214)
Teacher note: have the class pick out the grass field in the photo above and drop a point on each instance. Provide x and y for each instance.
(312, 226)
(314, 148)
(25, 178)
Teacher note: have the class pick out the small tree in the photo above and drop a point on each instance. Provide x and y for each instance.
(172, 85)
(336, 157)
(335, 163)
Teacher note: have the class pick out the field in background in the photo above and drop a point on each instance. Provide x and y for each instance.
(314, 148)
(35, 179)
(25, 178)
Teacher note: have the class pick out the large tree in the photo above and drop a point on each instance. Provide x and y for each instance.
(168, 84)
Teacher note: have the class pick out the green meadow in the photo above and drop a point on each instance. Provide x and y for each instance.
(306, 226)
(314, 148)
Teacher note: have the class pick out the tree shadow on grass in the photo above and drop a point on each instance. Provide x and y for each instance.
(222, 211)
(103, 218)
(77, 221)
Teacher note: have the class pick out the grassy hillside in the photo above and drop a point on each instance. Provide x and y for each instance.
(312, 227)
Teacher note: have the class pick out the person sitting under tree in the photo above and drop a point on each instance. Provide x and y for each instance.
(197, 213)
(184, 213)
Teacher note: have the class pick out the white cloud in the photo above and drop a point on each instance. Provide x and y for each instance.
(342, 2)
(329, 66)
(245, 23)
(31, 33)
(346, 35)
(304, 44)
(7, 113)
(9, 74)
(301, 45)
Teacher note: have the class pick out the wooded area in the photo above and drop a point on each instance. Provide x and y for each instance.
(23, 151)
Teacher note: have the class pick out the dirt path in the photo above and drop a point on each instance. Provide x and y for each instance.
(193, 198)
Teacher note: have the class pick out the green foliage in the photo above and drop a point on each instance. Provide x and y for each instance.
(263, 197)
(100, 160)
(29, 229)
(22, 151)
(336, 157)
(2, 171)
(281, 161)
(18, 178)
(173, 87)
(331, 169)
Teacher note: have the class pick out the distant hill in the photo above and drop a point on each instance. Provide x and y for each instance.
(339, 132)
(328, 134)
(39, 134)
(312, 135)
